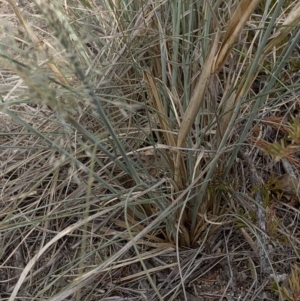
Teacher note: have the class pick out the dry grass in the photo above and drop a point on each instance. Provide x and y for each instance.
(148, 150)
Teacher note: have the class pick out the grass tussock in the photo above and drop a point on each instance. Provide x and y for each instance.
(150, 150)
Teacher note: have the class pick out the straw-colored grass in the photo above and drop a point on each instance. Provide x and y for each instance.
(149, 150)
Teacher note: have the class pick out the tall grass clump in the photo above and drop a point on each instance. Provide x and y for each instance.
(144, 145)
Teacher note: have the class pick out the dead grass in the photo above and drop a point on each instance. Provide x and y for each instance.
(147, 154)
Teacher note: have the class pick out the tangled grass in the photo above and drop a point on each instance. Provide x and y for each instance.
(149, 150)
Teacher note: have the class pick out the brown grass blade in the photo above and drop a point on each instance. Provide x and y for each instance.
(198, 95)
(180, 173)
(157, 103)
(193, 109)
(235, 26)
(292, 20)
